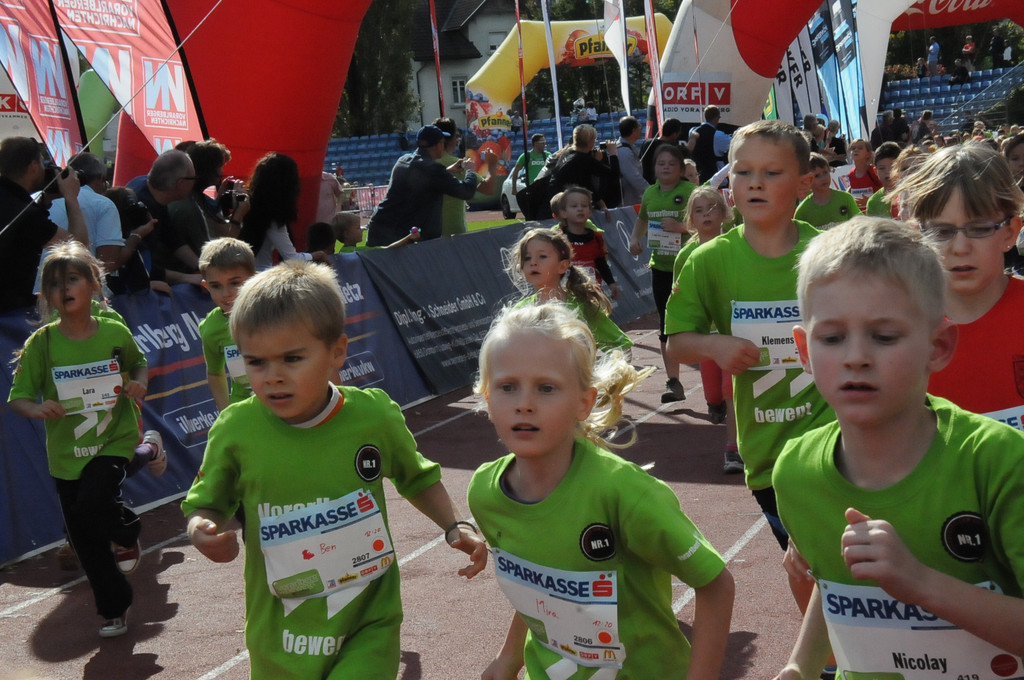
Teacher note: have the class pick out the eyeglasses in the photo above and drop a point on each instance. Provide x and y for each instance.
(947, 232)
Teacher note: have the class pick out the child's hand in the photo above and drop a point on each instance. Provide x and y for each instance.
(470, 543)
(616, 291)
(735, 355)
(874, 551)
(135, 390)
(673, 226)
(795, 564)
(634, 247)
(502, 668)
(47, 410)
(217, 546)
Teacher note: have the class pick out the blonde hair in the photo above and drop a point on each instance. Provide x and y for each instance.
(64, 257)
(584, 134)
(577, 284)
(295, 291)
(226, 253)
(778, 132)
(707, 193)
(879, 247)
(980, 173)
(612, 376)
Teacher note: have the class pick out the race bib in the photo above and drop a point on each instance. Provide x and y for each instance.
(769, 325)
(235, 365)
(572, 613)
(88, 387)
(332, 549)
(663, 242)
(875, 637)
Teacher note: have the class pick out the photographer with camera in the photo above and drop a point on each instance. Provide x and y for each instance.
(25, 227)
(582, 165)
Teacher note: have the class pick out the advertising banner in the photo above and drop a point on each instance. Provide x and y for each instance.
(31, 53)
(131, 47)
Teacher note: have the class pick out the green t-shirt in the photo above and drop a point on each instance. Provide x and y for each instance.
(256, 460)
(726, 285)
(607, 335)
(959, 511)
(606, 516)
(656, 205)
(453, 210)
(877, 206)
(684, 253)
(222, 355)
(82, 368)
(535, 165)
(841, 206)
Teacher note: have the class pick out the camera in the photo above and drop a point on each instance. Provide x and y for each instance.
(229, 200)
(50, 170)
(603, 146)
(136, 214)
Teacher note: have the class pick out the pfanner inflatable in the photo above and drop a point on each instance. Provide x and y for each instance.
(489, 93)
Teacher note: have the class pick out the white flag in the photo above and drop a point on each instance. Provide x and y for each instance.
(615, 39)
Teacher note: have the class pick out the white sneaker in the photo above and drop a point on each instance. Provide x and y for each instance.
(156, 466)
(115, 627)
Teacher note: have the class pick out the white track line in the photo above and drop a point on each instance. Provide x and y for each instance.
(684, 600)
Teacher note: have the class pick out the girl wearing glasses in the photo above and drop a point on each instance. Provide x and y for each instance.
(967, 200)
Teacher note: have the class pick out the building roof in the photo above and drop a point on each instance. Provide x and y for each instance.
(452, 17)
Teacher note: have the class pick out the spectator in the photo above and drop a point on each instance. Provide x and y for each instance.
(134, 273)
(533, 160)
(320, 237)
(516, 123)
(632, 180)
(101, 218)
(671, 130)
(581, 165)
(961, 76)
(26, 228)
(969, 51)
(900, 127)
(709, 145)
(170, 179)
(274, 196)
(453, 209)
(198, 217)
(884, 131)
(835, 144)
(933, 56)
(925, 127)
(921, 68)
(414, 193)
(330, 197)
(996, 47)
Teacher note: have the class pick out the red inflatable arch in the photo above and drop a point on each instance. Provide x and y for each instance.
(268, 76)
(941, 13)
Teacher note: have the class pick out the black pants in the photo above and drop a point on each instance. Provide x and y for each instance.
(94, 516)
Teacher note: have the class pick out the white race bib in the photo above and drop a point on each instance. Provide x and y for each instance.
(573, 613)
(331, 549)
(663, 242)
(875, 637)
(769, 325)
(235, 365)
(88, 387)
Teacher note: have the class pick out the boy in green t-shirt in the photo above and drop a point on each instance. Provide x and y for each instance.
(225, 263)
(825, 206)
(907, 509)
(307, 461)
(885, 158)
(744, 284)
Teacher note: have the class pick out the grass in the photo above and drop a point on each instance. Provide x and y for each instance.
(487, 224)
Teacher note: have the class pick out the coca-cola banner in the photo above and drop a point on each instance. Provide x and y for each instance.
(940, 13)
(31, 54)
(131, 47)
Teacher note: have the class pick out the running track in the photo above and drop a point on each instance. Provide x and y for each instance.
(187, 620)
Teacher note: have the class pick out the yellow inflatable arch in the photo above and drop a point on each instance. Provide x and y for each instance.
(490, 92)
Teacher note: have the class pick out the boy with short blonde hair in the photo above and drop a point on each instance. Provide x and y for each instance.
(226, 264)
(307, 460)
(907, 509)
(744, 284)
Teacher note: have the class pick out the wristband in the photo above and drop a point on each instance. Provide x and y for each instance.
(134, 234)
(456, 524)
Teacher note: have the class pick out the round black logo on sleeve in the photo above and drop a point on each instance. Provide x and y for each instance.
(368, 463)
(597, 542)
(965, 536)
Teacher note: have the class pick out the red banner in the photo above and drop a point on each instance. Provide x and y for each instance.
(31, 53)
(131, 47)
(940, 13)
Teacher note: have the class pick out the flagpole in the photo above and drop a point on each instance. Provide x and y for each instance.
(522, 99)
(437, 58)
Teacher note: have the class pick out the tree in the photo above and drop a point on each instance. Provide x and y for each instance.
(377, 98)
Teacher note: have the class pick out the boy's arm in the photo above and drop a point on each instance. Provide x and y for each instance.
(711, 618)
(812, 646)
(435, 503)
(874, 550)
(218, 383)
(734, 355)
(204, 533)
(510, 659)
